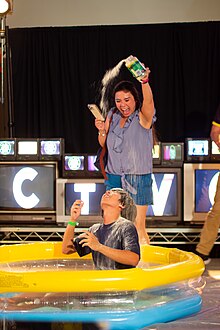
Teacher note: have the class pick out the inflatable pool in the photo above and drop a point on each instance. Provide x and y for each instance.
(39, 283)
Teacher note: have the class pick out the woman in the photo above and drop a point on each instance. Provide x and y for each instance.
(127, 132)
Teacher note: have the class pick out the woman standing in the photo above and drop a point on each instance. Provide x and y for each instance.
(127, 132)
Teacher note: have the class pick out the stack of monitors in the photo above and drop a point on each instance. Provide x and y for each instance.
(7, 149)
(31, 149)
(172, 153)
(198, 149)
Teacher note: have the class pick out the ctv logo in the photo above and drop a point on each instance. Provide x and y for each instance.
(26, 202)
(162, 184)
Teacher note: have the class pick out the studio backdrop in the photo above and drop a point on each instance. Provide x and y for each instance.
(57, 71)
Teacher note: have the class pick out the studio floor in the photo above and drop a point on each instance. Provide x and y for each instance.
(209, 316)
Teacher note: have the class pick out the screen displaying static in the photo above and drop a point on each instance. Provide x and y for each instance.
(165, 195)
(21, 187)
(50, 147)
(205, 188)
(172, 152)
(7, 148)
(91, 166)
(198, 147)
(27, 147)
(91, 194)
(73, 163)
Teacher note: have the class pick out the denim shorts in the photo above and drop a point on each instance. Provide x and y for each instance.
(138, 186)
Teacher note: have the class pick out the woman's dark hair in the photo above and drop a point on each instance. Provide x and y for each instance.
(127, 86)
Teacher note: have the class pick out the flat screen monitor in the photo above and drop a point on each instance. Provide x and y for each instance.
(197, 149)
(172, 153)
(74, 165)
(28, 191)
(167, 195)
(215, 152)
(51, 149)
(27, 149)
(156, 153)
(7, 149)
(199, 190)
(89, 190)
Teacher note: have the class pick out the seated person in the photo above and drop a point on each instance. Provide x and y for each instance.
(113, 243)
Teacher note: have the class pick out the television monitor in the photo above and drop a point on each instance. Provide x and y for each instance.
(28, 191)
(215, 152)
(199, 190)
(51, 149)
(90, 190)
(167, 195)
(172, 153)
(197, 149)
(74, 165)
(7, 149)
(156, 152)
(27, 149)
(92, 170)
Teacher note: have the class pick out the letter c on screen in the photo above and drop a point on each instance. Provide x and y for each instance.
(26, 202)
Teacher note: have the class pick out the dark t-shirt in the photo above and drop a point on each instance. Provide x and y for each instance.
(120, 234)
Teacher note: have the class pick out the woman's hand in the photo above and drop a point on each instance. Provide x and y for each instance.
(99, 124)
(145, 78)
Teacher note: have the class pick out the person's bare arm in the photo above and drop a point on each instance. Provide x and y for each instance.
(67, 244)
(103, 130)
(147, 109)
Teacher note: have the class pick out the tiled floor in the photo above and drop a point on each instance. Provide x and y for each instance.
(209, 316)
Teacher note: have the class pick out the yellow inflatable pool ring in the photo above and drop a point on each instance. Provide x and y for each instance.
(166, 265)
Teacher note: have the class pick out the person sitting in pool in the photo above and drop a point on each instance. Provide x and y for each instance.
(113, 243)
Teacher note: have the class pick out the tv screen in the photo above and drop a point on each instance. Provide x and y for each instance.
(197, 149)
(172, 153)
(51, 149)
(91, 167)
(7, 149)
(92, 170)
(215, 152)
(205, 187)
(27, 149)
(89, 190)
(200, 182)
(156, 152)
(167, 195)
(73, 165)
(27, 188)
